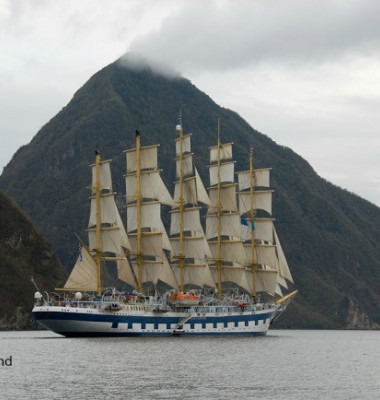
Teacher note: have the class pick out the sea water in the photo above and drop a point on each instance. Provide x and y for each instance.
(285, 364)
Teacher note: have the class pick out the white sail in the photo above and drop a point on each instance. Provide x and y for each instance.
(193, 190)
(124, 271)
(107, 210)
(148, 158)
(186, 145)
(235, 274)
(187, 166)
(202, 195)
(193, 247)
(282, 281)
(150, 216)
(150, 271)
(283, 265)
(229, 225)
(279, 291)
(84, 274)
(194, 274)
(124, 241)
(165, 239)
(266, 281)
(153, 271)
(111, 240)
(151, 186)
(167, 275)
(191, 221)
(189, 191)
(263, 254)
(260, 178)
(227, 198)
(262, 200)
(151, 244)
(226, 173)
(105, 179)
(231, 250)
(225, 152)
(191, 242)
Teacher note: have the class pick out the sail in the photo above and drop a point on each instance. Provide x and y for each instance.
(187, 166)
(264, 254)
(112, 233)
(226, 173)
(223, 227)
(148, 158)
(154, 271)
(152, 187)
(150, 216)
(262, 200)
(145, 192)
(266, 281)
(193, 190)
(193, 247)
(202, 195)
(190, 219)
(196, 273)
(231, 250)
(84, 274)
(124, 271)
(105, 179)
(283, 265)
(229, 225)
(190, 247)
(260, 178)
(107, 210)
(186, 145)
(227, 198)
(234, 273)
(225, 152)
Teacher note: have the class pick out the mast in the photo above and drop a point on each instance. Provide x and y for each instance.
(252, 215)
(181, 255)
(138, 212)
(145, 193)
(223, 220)
(98, 223)
(218, 208)
(190, 247)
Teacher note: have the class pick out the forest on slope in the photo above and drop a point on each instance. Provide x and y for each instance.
(24, 254)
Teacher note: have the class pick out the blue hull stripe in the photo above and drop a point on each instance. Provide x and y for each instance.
(115, 320)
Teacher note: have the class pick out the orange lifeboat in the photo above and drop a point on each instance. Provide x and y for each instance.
(181, 299)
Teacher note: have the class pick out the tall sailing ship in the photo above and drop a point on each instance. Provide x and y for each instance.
(228, 279)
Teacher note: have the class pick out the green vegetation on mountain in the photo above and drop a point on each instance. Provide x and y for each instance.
(24, 254)
(330, 236)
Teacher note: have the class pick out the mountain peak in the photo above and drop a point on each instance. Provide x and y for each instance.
(136, 62)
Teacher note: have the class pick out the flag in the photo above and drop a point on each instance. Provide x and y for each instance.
(253, 226)
(243, 220)
(80, 252)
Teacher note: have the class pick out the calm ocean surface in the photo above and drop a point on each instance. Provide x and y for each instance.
(286, 364)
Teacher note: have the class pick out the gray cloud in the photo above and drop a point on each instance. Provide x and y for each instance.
(223, 35)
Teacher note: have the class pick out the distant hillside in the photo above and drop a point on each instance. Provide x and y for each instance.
(330, 236)
(24, 254)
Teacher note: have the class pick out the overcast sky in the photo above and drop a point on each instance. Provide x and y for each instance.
(305, 73)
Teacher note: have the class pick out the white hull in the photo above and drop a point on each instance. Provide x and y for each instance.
(135, 321)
